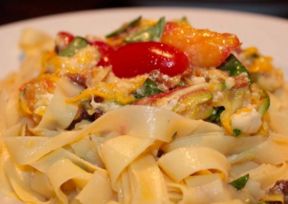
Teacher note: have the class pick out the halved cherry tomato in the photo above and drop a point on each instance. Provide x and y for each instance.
(65, 37)
(105, 51)
(142, 57)
(203, 47)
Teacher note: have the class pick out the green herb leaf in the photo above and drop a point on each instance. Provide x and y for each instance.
(149, 88)
(195, 105)
(236, 132)
(153, 33)
(135, 22)
(215, 116)
(233, 66)
(73, 47)
(240, 182)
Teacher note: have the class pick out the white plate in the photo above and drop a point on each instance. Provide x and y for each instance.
(269, 34)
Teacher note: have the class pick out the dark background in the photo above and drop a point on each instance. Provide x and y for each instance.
(13, 10)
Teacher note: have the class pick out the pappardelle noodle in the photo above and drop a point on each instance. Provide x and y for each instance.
(155, 112)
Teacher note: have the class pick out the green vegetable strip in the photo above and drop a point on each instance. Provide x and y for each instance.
(233, 66)
(73, 47)
(215, 116)
(153, 33)
(240, 182)
(149, 88)
(135, 22)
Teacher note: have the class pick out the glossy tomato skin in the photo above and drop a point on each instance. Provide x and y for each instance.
(203, 47)
(142, 57)
(105, 51)
(66, 36)
(62, 40)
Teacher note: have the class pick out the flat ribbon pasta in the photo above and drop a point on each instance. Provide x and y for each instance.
(216, 140)
(191, 160)
(59, 113)
(278, 111)
(211, 190)
(119, 152)
(138, 154)
(28, 149)
(267, 174)
(46, 161)
(22, 188)
(145, 183)
(144, 121)
(276, 145)
(104, 194)
(63, 171)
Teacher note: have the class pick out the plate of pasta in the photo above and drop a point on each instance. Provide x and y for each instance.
(142, 105)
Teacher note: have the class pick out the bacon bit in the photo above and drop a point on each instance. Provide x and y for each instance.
(160, 153)
(78, 79)
(164, 80)
(98, 99)
(281, 187)
(241, 81)
(83, 115)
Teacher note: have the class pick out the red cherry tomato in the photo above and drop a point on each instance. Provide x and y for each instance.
(142, 57)
(105, 51)
(65, 36)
